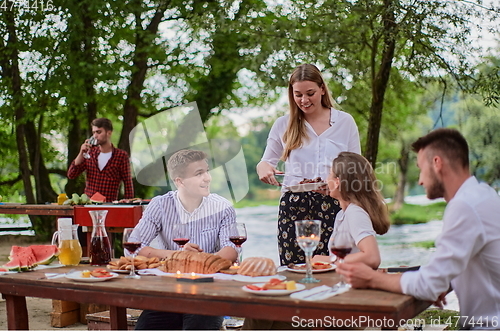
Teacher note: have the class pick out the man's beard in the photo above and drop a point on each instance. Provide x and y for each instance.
(436, 189)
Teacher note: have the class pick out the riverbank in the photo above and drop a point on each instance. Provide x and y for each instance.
(410, 213)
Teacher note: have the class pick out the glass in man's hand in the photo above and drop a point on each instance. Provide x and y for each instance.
(93, 142)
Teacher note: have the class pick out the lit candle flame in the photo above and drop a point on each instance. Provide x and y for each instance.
(193, 275)
(178, 273)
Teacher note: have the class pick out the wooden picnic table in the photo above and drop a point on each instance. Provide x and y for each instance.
(222, 297)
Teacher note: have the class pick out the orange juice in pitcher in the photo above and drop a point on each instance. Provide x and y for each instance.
(70, 251)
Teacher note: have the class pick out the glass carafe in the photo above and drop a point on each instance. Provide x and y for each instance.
(100, 247)
(66, 239)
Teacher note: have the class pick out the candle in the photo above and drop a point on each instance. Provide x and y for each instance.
(178, 274)
(193, 278)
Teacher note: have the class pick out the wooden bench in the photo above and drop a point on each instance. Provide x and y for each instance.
(100, 321)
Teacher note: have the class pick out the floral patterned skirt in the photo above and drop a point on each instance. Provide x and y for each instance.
(304, 206)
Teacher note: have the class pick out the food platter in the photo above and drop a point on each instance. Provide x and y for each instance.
(300, 287)
(300, 269)
(77, 277)
(306, 187)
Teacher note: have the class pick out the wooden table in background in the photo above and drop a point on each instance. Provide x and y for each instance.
(218, 298)
(50, 210)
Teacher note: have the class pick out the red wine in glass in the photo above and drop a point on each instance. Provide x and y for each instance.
(341, 252)
(238, 240)
(181, 241)
(131, 246)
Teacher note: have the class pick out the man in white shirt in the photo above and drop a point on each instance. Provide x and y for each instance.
(467, 252)
(208, 219)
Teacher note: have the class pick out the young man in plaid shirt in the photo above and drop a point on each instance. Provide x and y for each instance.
(106, 166)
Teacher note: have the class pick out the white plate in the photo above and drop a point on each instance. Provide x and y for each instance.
(265, 279)
(315, 271)
(77, 276)
(300, 287)
(306, 187)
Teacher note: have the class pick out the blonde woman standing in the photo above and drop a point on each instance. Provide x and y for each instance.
(307, 140)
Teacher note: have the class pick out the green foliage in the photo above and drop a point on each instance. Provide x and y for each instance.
(414, 214)
(425, 244)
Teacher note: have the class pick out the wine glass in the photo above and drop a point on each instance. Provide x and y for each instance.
(93, 142)
(131, 247)
(238, 235)
(181, 236)
(341, 244)
(308, 234)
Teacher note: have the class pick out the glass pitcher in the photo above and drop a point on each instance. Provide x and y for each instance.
(100, 247)
(66, 238)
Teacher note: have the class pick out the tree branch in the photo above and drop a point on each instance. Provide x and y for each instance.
(11, 182)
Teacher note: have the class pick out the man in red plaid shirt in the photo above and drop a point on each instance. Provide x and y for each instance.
(106, 166)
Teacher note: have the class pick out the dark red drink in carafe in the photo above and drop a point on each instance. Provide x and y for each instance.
(100, 251)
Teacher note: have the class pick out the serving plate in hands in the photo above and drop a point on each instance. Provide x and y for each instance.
(306, 187)
(302, 270)
(77, 276)
(300, 287)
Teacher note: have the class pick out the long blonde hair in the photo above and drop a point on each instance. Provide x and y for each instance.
(296, 130)
(358, 185)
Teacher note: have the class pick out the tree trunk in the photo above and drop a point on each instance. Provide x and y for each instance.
(44, 190)
(379, 82)
(399, 197)
(12, 71)
(143, 43)
(82, 36)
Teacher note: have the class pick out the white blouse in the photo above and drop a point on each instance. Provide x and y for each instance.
(354, 220)
(314, 158)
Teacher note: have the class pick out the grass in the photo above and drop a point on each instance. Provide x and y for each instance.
(255, 203)
(414, 214)
(434, 316)
(408, 214)
(425, 244)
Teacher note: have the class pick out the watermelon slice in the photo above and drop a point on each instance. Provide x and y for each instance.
(27, 258)
(21, 259)
(98, 198)
(45, 254)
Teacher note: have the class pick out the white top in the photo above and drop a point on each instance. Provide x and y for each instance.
(209, 223)
(467, 256)
(315, 157)
(354, 220)
(103, 159)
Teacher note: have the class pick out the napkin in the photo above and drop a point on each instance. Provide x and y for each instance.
(54, 275)
(318, 293)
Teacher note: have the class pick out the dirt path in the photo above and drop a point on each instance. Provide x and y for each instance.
(38, 309)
